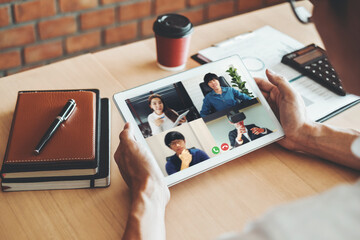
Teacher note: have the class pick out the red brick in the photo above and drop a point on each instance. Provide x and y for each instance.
(58, 27)
(17, 36)
(221, 9)
(10, 60)
(75, 5)
(195, 16)
(134, 11)
(111, 1)
(164, 6)
(198, 2)
(272, 2)
(43, 52)
(147, 27)
(83, 42)
(4, 16)
(97, 18)
(122, 33)
(245, 5)
(34, 10)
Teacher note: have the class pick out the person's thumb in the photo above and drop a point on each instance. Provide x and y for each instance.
(279, 81)
(127, 133)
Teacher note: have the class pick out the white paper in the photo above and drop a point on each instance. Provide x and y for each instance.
(264, 48)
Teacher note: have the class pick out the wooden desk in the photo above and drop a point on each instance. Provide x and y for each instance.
(220, 200)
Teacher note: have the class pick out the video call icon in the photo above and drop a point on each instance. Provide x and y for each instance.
(215, 150)
(224, 146)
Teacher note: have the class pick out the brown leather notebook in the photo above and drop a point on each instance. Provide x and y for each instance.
(70, 151)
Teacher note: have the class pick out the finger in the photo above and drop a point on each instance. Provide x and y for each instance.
(278, 80)
(127, 133)
(265, 94)
(264, 85)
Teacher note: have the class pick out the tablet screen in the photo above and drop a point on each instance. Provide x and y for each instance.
(216, 119)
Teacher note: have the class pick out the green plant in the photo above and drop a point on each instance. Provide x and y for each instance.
(236, 81)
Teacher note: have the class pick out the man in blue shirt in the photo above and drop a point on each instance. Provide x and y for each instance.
(220, 97)
(183, 157)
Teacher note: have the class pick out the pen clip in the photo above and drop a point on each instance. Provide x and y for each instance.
(70, 112)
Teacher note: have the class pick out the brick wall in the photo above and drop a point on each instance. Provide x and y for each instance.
(38, 32)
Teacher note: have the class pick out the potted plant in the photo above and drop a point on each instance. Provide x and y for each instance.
(236, 81)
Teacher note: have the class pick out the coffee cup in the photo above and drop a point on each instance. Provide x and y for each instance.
(172, 34)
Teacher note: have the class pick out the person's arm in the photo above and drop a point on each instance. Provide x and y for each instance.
(239, 95)
(232, 137)
(148, 190)
(170, 168)
(260, 131)
(199, 156)
(203, 156)
(154, 128)
(301, 134)
(238, 140)
(206, 107)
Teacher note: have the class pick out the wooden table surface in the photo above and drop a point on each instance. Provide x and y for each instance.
(220, 200)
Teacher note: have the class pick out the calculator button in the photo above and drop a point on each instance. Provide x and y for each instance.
(333, 76)
(327, 79)
(307, 67)
(326, 65)
(314, 64)
(327, 72)
(313, 71)
(320, 62)
(320, 75)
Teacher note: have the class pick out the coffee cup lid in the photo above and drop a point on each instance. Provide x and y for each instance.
(172, 25)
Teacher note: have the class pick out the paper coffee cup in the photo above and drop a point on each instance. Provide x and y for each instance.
(172, 34)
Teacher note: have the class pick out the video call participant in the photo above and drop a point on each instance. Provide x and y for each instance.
(183, 157)
(244, 133)
(220, 97)
(162, 118)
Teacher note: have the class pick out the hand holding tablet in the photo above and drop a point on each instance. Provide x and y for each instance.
(184, 93)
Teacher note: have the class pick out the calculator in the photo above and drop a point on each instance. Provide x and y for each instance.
(312, 61)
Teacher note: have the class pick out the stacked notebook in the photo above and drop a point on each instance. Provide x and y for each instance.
(76, 156)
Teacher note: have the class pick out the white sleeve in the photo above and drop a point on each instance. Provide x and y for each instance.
(334, 214)
(154, 129)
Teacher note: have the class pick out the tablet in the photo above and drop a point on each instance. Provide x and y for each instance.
(223, 122)
(180, 117)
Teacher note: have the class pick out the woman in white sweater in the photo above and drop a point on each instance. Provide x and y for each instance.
(162, 118)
